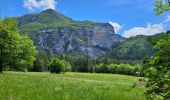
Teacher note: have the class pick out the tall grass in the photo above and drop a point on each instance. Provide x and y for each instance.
(69, 86)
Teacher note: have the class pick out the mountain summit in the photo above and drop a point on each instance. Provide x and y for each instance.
(53, 16)
(52, 31)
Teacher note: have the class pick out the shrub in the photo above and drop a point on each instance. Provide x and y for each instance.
(91, 68)
(101, 68)
(67, 66)
(57, 66)
(41, 63)
(119, 69)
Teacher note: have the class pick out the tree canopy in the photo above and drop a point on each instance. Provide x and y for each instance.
(157, 69)
(57, 66)
(16, 52)
(161, 6)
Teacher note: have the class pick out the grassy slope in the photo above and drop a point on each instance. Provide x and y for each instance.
(69, 86)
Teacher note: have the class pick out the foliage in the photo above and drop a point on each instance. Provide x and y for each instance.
(9, 41)
(101, 68)
(42, 62)
(48, 19)
(125, 69)
(57, 66)
(67, 66)
(157, 68)
(134, 48)
(80, 63)
(26, 55)
(16, 52)
(161, 6)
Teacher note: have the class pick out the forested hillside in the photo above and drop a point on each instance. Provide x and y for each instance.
(134, 48)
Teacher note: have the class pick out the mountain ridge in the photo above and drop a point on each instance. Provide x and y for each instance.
(52, 31)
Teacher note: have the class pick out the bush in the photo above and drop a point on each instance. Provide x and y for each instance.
(41, 64)
(67, 66)
(101, 68)
(125, 69)
(57, 66)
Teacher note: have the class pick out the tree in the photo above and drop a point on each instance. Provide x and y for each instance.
(157, 68)
(27, 53)
(9, 42)
(161, 6)
(57, 66)
(67, 66)
(42, 62)
(16, 52)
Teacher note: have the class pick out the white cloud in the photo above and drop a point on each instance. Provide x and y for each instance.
(40, 4)
(150, 29)
(116, 26)
(167, 19)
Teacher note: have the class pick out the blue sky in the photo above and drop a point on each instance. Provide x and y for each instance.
(129, 17)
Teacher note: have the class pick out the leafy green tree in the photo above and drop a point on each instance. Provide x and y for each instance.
(42, 62)
(9, 42)
(57, 66)
(16, 52)
(27, 53)
(161, 6)
(101, 68)
(67, 66)
(157, 68)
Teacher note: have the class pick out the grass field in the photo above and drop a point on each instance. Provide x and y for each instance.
(69, 86)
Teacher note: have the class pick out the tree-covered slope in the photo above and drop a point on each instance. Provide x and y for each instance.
(48, 19)
(134, 48)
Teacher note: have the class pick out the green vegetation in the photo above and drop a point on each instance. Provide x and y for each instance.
(157, 68)
(48, 19)
(125, 69)
(134, 48)
(16, 52)
(68, 86)
(67, 66)
(161, 6)
(57, 66)
(42, 61)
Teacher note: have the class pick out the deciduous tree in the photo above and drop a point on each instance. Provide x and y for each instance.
(161, 6)
(16, 51)
(157, 68)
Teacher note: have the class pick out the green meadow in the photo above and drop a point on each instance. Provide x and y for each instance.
(68, 86)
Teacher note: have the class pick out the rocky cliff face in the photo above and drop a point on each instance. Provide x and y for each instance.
(87, 38)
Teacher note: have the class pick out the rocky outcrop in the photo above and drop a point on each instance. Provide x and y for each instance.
(91, 39)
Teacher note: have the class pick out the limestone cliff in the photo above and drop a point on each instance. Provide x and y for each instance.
(52, 31)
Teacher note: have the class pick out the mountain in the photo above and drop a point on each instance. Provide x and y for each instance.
(134, 48)
(52, 31)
